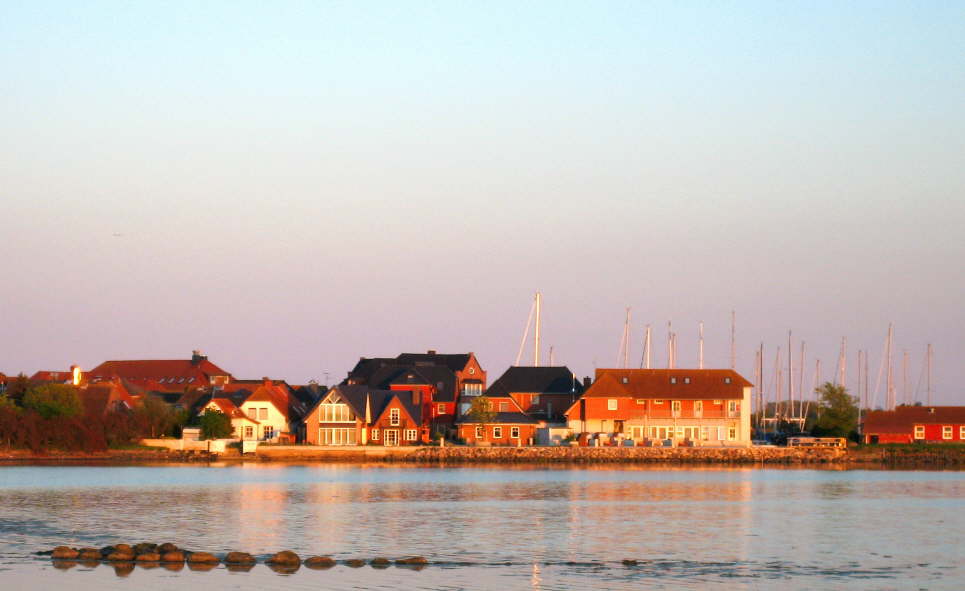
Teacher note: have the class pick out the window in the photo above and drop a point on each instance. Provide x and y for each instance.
(946, 432)
(503, 407)
(394, 417)
(641, 401)
(335, 412)
(514, 432)
(339, 436)
(626, 380)
(471, 389)
(673, 380)
(253, 413)
(472, 370)
(686, 380)
(268, 431)
(479, 432)
(497, 432)
(731, 433)
(732, 406)
(658, 401)
(411, 434)
(698, 407)
(726, 380)
(611, 404)
(919, 431)
(262, 413)
(675, 406)
(704, 433)
(717, 402)
(375, 434)
(961, 432)
(249, 431)
(441, 409)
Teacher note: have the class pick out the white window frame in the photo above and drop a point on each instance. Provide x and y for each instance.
(675, 406)
(262, 414)
(497, 432)
(375, 434)
(514, 432)
(731, 406)
(479, 432)
(731, 433)
(961, 432)
(441, 408)
(394, 417)
(718, 402)
(698, 408)
(641, 401)
(947, 432)
(611, 404)
(919, 432)
(411, 434)
(249, 431)
(658, 401)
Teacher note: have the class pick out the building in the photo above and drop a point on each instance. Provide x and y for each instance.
(164, 374)
(243, 426)
(701, 407)
(446, 382)
(541, 392)
(509, 425)
(73, 376)
(352, 414)
(106, 397)
(915, 424)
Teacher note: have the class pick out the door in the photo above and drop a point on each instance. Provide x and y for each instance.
(391, 437)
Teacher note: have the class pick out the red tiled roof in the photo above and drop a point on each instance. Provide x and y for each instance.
(275, 394)
(166, 372)
(668, 384)
(904, 418)
(101, 398)
(52, 376)
(229, 408)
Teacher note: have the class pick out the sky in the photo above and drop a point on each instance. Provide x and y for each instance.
(290, 186)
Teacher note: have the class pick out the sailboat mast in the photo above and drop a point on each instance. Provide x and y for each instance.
(928, 355)
(890, 386)
(790, 376)
(539, 305)
(647, 346)
(700, 346)
(800, 387)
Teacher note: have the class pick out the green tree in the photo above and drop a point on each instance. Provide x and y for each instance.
(53, 400)
(17, 388)
(838, 412)
(481, 411)
(157, 418)
(215, 424)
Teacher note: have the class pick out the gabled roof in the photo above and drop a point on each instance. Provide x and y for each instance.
(454, 361)
(101, 398)
(541, 380)
(904, 418)
(357, 396)
(228, 407)
(52, 376)
(289, 406)
(668, 384)
(441, 378)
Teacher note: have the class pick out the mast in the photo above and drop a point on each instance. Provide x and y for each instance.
(539, 305)
(669, 346)
(700, 346)
(790, 375)
(522, 342)
(552, 359)
(779, 386)
(844, 362)
(928, 355)
(646, 348)
(800, 387)
(757, 380)
(904, 376)
(626, 341)
(733, 339)
(890, 377)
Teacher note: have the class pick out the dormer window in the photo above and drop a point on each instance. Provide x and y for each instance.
(726, 380)
(626, 380)
(686, 380)
(673, 380)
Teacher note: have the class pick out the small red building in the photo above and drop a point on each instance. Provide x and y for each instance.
(509, 426)
(359, 415)
(915, 424)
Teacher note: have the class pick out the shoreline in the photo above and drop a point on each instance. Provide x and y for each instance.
(952, 457)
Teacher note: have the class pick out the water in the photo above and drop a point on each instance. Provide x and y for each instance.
(485, 528)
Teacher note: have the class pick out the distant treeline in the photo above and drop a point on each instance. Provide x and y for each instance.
(42, 417)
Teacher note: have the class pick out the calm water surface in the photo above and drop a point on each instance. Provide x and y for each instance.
(496, 528)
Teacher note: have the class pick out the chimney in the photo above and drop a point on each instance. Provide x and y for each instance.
(266, 382)
(415, 397)
(586, 382)
(197, 357)
(431, 352)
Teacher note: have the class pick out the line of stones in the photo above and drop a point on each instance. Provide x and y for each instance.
(170, 553)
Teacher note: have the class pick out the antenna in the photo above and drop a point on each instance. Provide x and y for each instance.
(552, 359)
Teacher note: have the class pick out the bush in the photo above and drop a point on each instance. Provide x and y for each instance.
(53, 400)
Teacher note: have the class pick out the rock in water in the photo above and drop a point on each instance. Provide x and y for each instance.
(285, 557)
(412, 561)
(167, 547)
(380, 562)
(202, 558)
(355, 562)
(123, 548)
(120, 557)
(148, 557)
(173, 556)
(239, 558)
(64, 553)
(319, 562)
(89, 554)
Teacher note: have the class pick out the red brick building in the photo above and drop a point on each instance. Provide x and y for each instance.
(652, 406)
(360, 415)
(915, 424)
(541, 392)
(509, 426)
(163, 374)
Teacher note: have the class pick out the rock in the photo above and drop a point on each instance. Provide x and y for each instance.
(412, 561)
(239, 568)
(120, 557)
(285, 557)
(380, 562)
(107, 550)
(320, 562)
(202, 558)
(202, 566)
(166, 548)
(89, 554)
(122, 569)
(123, 548)
(173, 556)
(65, 564)
(630, 562)
(284, 569)
(239, 558)
(148, 557)
(64, 553)
(355, 562)
(172, 566)
(144, 548)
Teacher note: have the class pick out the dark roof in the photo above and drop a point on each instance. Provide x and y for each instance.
(904, 418)
(366, 366)
(542, 380)
(513, 418)
(442, 378)
(454, 361)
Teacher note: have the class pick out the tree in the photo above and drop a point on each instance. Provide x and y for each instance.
(53, 400)
(17, 388)
(155, 418)
(838, 412)
(481, 411)
(215, 424)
